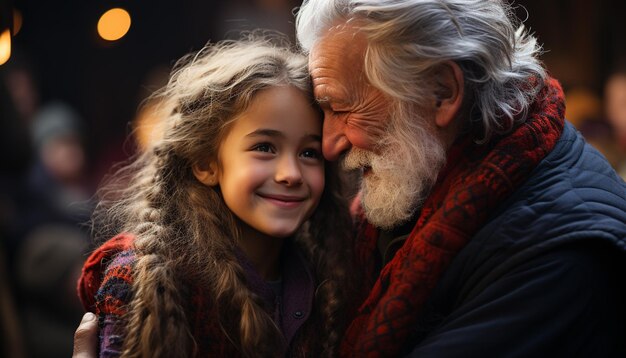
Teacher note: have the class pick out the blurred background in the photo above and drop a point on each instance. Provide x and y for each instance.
(73, 76)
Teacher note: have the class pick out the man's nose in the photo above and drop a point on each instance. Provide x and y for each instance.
(334, 140)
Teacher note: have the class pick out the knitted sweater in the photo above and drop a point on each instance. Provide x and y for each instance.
(105, 287)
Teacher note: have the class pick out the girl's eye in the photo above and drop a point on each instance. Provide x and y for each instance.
(312, 153)
(263, 147)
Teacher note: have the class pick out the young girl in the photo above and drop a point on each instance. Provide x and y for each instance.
(232, 226)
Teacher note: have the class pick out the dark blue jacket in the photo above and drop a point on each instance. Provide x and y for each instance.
(545, 276)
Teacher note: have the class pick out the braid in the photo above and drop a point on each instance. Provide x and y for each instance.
(157, 324)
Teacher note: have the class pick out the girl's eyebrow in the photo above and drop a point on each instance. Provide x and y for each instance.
(266, 132)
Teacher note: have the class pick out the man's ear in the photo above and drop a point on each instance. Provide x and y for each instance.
(449, 93)
(207, 173)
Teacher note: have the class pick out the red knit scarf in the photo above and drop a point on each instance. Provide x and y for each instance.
(476, 179)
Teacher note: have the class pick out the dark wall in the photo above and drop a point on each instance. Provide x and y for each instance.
(584, 40)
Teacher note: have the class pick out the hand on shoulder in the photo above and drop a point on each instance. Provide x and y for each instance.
(86, 337)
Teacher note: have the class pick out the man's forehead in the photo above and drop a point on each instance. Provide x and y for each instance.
(341, 46)
(339, 34)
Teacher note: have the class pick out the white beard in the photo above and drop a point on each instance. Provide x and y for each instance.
(401, 175)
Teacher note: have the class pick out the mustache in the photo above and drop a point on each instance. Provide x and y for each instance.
(357, 158)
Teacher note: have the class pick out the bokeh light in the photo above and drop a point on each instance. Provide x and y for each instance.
(5, 46)
(149, 124)
(114, 24)
(17, 21)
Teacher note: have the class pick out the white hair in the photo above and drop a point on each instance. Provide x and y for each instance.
(409, 39)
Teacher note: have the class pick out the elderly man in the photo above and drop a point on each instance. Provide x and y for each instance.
(486, 226)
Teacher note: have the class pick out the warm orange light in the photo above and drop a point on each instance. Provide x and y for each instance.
(17, 21)
(5, 46)
(114, 24)
(149, 125)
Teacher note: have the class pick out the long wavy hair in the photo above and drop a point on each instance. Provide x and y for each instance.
(409, 39)
(184, 232)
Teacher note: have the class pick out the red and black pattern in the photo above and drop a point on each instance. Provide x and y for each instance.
(106, 289)
(94, 274)
(106, 285)
(476, 179)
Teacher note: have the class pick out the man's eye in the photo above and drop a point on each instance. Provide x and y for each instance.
(263, 147)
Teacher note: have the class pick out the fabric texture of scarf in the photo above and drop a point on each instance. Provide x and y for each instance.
(475, 180)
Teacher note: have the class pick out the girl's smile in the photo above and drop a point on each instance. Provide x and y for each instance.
(286, 201)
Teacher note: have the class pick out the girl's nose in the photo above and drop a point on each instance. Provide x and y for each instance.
(288, 172)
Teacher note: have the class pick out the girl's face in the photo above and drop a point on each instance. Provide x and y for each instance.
(270, 168)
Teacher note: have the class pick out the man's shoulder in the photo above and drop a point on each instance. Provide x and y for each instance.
(574, 162)
(572, 193)
(572, 196)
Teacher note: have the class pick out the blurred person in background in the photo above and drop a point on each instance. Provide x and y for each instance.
(19, 100)
(43, 201)
(58, 179)
(52, 241)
